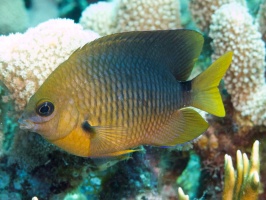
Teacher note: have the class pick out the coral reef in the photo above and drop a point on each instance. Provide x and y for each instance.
(136, 172)
(13, 16)
(233, 28)
(31, 167)
(26, 61)
(130, 15)
(55, 174)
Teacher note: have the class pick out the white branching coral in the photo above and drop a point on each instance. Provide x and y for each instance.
(13, 16)
(131, 15)
(98, 17)
(147, 15)
(26, 60)
(233, 29)
(202, 11)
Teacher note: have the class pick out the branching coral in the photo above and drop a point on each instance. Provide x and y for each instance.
(146, 15)
(130, 15)
(27, 59)
(98, 17)
(245, 184)
(233, 29)
(13, 16)
(202, 11)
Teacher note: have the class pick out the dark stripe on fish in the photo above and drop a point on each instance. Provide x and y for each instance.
(186, 86)
(87, 127)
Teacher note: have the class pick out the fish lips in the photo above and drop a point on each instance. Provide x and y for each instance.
(25, 124)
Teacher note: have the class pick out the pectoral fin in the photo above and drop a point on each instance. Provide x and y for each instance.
(107, 141)
(184, 125)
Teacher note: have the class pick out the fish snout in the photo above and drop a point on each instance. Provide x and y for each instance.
(25, 123)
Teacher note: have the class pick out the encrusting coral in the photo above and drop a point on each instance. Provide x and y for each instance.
(13, 16)
(233, 29)
(26, 60)
(129, 15)
(245, 184)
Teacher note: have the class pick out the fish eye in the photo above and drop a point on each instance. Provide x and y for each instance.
(45, 109)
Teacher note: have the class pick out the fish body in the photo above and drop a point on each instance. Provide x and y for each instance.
(126, 90)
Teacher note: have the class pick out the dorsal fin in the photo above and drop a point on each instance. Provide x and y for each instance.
(176, 50)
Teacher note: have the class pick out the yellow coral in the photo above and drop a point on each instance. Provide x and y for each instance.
(182, 195)
(242, 185)
(245, 184)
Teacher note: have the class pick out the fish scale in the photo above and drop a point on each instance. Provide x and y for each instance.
(141, 119)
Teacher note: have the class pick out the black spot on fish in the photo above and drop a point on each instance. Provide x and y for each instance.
(87, 127)
(186, 86)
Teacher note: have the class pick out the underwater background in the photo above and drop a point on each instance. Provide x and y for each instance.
(37, 35)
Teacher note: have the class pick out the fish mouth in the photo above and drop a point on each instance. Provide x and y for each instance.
(25, 124)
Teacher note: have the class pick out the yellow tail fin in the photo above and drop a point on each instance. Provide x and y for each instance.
(205, 92)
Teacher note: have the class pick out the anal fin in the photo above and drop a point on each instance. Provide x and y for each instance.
(118, 153)
(184, 125)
